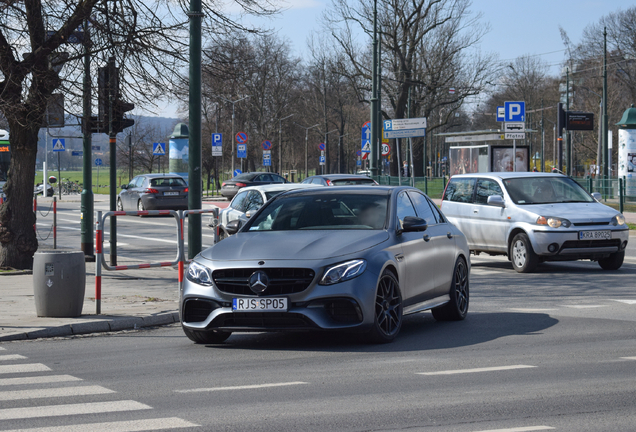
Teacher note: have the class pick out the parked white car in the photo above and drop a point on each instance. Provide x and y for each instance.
(249, 199)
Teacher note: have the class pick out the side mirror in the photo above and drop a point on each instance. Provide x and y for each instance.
(124, 186)
(232, 227)
(413, 224)
(249, 213)
(496, 201)
(597, 196)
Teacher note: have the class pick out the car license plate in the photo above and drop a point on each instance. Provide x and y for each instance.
(170, 193)
(595, 235)
(259, 304)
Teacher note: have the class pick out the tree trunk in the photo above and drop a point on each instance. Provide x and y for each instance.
(18, 241)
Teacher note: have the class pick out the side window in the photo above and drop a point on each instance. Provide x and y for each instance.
(460, 190)
(263, 178)
(317, 180)
(140, 181)
(486, 188)
(237, 202)
(133, 182)
(254, 201)
(423, 207)
(404, 207)
(307, 181)
(277, 178)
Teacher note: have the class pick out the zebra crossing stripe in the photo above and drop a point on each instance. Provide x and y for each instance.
(2, 349)
(23, 368)
(38, 380)
(71, 409)
(11, 357)
(53, 392)
(119, 426)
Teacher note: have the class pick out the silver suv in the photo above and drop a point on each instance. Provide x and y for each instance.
(534, 217)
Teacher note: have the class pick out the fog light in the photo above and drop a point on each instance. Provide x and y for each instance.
(553, 247)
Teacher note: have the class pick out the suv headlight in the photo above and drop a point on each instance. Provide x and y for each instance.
(343, 271)
(553, 222)
(200, 274)
(619, 219)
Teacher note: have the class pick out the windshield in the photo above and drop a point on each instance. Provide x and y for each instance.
(546, 190)
(272, 194)
(323, 212)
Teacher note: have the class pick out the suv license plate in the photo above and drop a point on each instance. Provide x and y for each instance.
(259, 304)
(595, 235)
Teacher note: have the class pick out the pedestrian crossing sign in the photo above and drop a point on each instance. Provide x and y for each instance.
(159, 149)
(59, 144)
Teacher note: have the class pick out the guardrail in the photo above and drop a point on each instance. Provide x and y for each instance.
(179, 259)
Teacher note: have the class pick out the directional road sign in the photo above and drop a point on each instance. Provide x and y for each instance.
(267, 145)
(59, 144)
(366, 137)
(217, 144)
(405, 128)
(515, 111)
(98, 148)
(241, 137)
(237, 172)
(241, 151)
(98, 162)
(501, 117)
(159, 149)
(77, 153)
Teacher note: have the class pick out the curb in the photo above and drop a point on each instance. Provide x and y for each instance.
(99, 326)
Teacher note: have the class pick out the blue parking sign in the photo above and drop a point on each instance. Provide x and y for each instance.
(515, 111)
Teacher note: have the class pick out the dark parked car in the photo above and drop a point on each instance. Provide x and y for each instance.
(351, 258)
(340, 180)
(154, 192)
(230, 187)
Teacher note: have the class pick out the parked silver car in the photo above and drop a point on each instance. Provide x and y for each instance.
(352, 258)
(534, 217)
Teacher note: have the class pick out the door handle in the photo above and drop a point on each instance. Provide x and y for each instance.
(475, 211)
(426, 237)
(449, 235)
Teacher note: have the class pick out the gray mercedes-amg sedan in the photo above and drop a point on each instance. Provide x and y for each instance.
(354, 258)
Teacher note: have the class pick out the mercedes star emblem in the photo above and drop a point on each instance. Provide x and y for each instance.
(259, 282)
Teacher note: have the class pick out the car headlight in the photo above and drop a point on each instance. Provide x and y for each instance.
(199, 274)
(553, 222)
(343, 271)
(619, 219)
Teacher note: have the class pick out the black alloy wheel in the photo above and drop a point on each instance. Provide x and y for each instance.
(457, 308)
(120, 206)
(388, 309)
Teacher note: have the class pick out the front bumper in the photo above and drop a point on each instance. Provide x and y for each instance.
(566, 245)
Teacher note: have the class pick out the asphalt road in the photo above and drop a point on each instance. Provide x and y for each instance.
(553, 350)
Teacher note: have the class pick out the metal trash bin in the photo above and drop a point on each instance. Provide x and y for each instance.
(59, 283)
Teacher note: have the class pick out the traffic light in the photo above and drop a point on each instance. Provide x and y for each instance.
(119, 122)
(108, 89)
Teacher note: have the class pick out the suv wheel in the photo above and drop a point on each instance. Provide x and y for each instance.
(612, 262)
(522, 256)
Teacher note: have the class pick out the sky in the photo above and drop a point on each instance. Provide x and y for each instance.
(517, 27)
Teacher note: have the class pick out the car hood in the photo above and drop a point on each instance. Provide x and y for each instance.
(575, 212)
(294, 245)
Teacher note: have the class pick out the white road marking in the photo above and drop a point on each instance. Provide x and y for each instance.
(520, 429)
(486, 369)
(628, 358)
(531, 310)
(71, 409)
(629, 302)
(23, 368)
(245, 387)
(2, 349)
(119, 426)
(38, 380)
(53, 393)
(11, 357)
(584, 306)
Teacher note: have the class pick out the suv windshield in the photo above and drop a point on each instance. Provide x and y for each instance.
(323, 212)
(546, 190)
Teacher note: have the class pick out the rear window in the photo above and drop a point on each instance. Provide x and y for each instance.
(352, 181)
(172, 181)
(460, 190)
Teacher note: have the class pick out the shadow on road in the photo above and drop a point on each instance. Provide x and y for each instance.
(419, 332)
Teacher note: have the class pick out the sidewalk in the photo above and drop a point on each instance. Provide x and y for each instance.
(131, 299)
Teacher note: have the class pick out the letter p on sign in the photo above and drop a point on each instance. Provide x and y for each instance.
(515, 111)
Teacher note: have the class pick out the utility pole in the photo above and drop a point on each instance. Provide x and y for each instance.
(233, 134)
(568, 144)
(306, 144)
(194, 108)
(604, 137)
(86, 205)
(375, 100)
(280, 143)
(113, 86)
(542, 139)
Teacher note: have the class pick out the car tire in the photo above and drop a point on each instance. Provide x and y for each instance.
(457, 308)
(522, 256)
(387, 320)
(612, 262)
(206, 336)
(222, 234)
(120, 206)
(140, 206)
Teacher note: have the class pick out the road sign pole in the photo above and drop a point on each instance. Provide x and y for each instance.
(86, 205)
(514, 155)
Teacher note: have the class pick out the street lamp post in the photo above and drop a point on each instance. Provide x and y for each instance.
(339, 160)
(233, 102)
(280, 143)
(306, 145)
(327, 150)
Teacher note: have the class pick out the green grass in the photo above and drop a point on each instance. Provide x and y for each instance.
(631, 226)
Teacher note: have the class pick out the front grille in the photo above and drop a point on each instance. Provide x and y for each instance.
(582, 244)
(282, 281)
(344, 311)
(263, 320)
(195, 310)
(590, 223)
